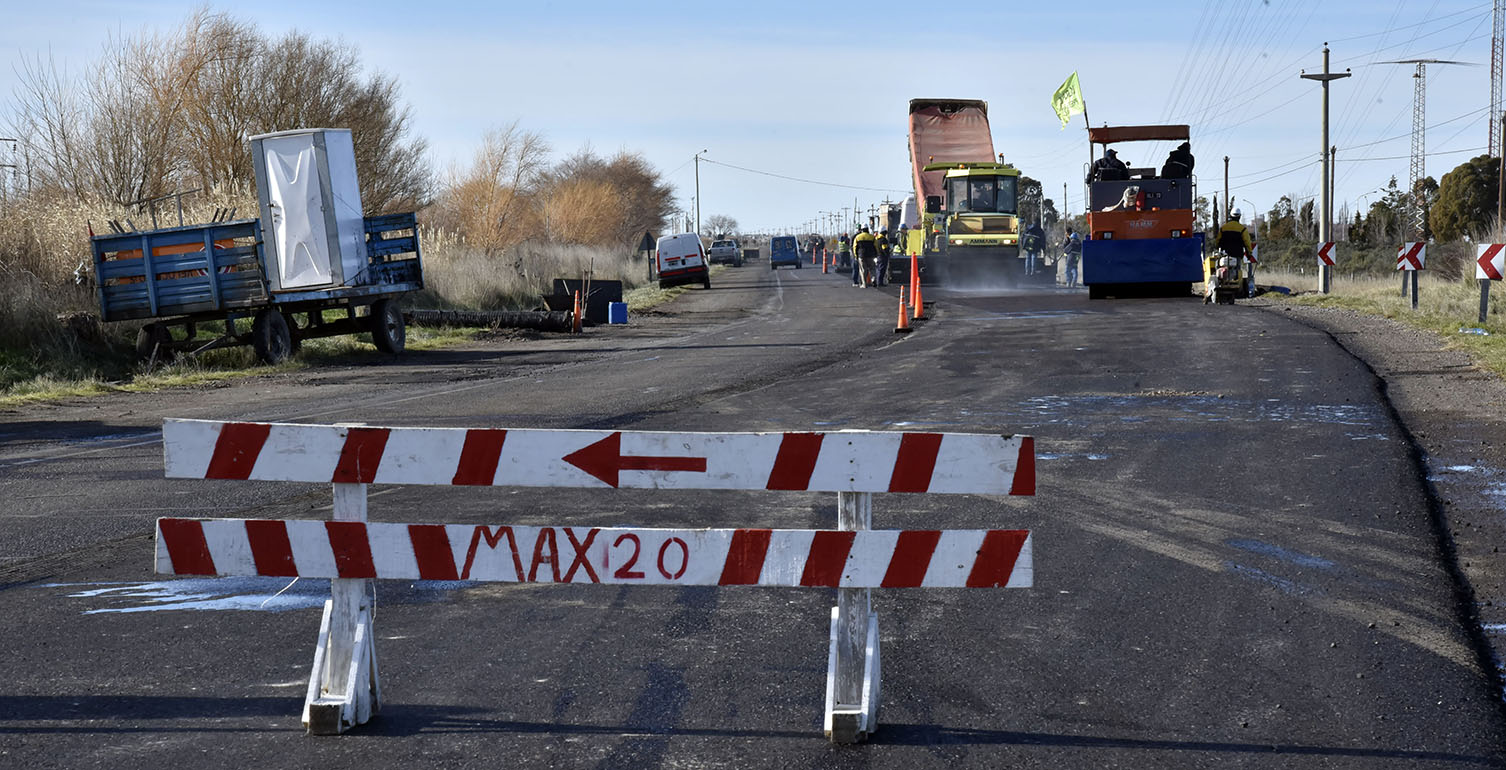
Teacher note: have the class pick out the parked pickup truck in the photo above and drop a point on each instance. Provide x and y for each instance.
(725, 250)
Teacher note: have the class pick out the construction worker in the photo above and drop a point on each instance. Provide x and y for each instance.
(1072, 250)
(885, 249)
(844, 252)
(1109, 168)
(1234, 241)
(1179, 163)
(865, 253)
(1033, 242)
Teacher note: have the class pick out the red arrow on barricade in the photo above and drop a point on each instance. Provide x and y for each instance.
(604, 460)
(1411, 255)
(1491, 262)
(1325, 253)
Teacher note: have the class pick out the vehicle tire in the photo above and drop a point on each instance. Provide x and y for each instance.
(797, 264)
(154, 341)
(706, 282)
(271, 337)
(387, 330)
(1095, 292)
(773, 266)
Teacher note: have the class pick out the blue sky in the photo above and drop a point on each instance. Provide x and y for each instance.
(818, 91)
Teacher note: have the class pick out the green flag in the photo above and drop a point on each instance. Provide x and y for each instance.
(1067, 101)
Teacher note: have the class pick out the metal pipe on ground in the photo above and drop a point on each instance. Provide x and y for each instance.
(539, 320)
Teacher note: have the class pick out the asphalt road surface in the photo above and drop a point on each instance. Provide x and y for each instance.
(1235, 564)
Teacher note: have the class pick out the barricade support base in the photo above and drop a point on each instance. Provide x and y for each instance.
(848, 723)
(330, 713)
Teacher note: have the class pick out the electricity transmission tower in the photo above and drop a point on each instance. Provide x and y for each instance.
(1418, 168)
(1497, 48)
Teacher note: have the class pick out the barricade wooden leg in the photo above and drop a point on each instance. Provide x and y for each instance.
(344, 688)
(852, 675)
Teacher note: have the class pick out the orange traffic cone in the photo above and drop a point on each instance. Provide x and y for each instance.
(915, 300)
(824, 262)
(577, 312)
(904, 314)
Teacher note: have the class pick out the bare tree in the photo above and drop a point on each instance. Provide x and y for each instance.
(171, 110)
(719, 224)
(488, 201)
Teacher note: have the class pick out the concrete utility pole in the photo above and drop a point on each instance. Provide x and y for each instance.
(1226, 184)
(698, 192)
(1501, 185)
(1325, 273)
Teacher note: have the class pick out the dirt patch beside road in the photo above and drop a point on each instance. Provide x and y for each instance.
(1455, 415)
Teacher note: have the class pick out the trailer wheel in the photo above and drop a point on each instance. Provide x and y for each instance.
(387, 330)
(271, 337)
(154, 341)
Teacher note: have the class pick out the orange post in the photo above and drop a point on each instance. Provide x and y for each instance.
(916, 302)
(824, 262)
(903, 326)
(577, 312)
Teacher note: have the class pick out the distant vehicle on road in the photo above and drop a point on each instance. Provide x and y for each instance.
(681, 259)
(725, 251)
(784, 250)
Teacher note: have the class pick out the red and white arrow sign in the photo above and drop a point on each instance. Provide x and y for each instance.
(605, 461)
(1491, 262)
(995, 558)
(1325, 253)
(846, 461)
(1411, 256)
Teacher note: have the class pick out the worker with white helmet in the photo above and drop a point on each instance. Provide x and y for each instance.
(1235, 243)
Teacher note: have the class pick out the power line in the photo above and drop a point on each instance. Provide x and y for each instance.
(806, 181)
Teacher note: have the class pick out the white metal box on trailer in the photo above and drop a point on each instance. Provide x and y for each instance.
(310, 201)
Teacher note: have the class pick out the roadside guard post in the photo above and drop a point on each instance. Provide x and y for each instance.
(1410, 258)
(1490, 264)
(344, 688)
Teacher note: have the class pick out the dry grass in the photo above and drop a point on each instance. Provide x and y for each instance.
(1449, 307)
(460, 275)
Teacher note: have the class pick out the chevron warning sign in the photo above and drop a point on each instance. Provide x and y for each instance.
(1325, 253)
(1491, 262)
(1411, 256)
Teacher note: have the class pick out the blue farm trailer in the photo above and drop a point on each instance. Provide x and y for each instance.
(310, 252)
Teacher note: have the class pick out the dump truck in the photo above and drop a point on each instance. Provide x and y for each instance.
(1141, 237)
(969, 226)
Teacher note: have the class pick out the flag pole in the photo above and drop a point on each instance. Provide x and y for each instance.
(1089, 127)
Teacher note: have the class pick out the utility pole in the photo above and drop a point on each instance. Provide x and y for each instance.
(1333, 178)
(1325, 272)
(698, 193)
(1501, 185)
(1226, 184)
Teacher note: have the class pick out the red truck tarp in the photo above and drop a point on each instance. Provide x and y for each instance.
(946, 131)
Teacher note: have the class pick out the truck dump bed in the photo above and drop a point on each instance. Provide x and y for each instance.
(946, 131)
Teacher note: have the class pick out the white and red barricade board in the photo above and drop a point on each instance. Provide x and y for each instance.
(791, 558)
(1326, 253)
(847, 461)
(1412, 256)
(344, 689)
(1490, 261)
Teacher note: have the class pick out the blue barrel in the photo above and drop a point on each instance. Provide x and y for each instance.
(616, 312)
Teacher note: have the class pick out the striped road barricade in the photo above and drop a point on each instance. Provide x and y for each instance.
(344, 687)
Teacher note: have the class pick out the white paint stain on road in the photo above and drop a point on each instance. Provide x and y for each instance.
(230, 593)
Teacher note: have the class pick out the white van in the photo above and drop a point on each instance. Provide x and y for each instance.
(681, 259)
